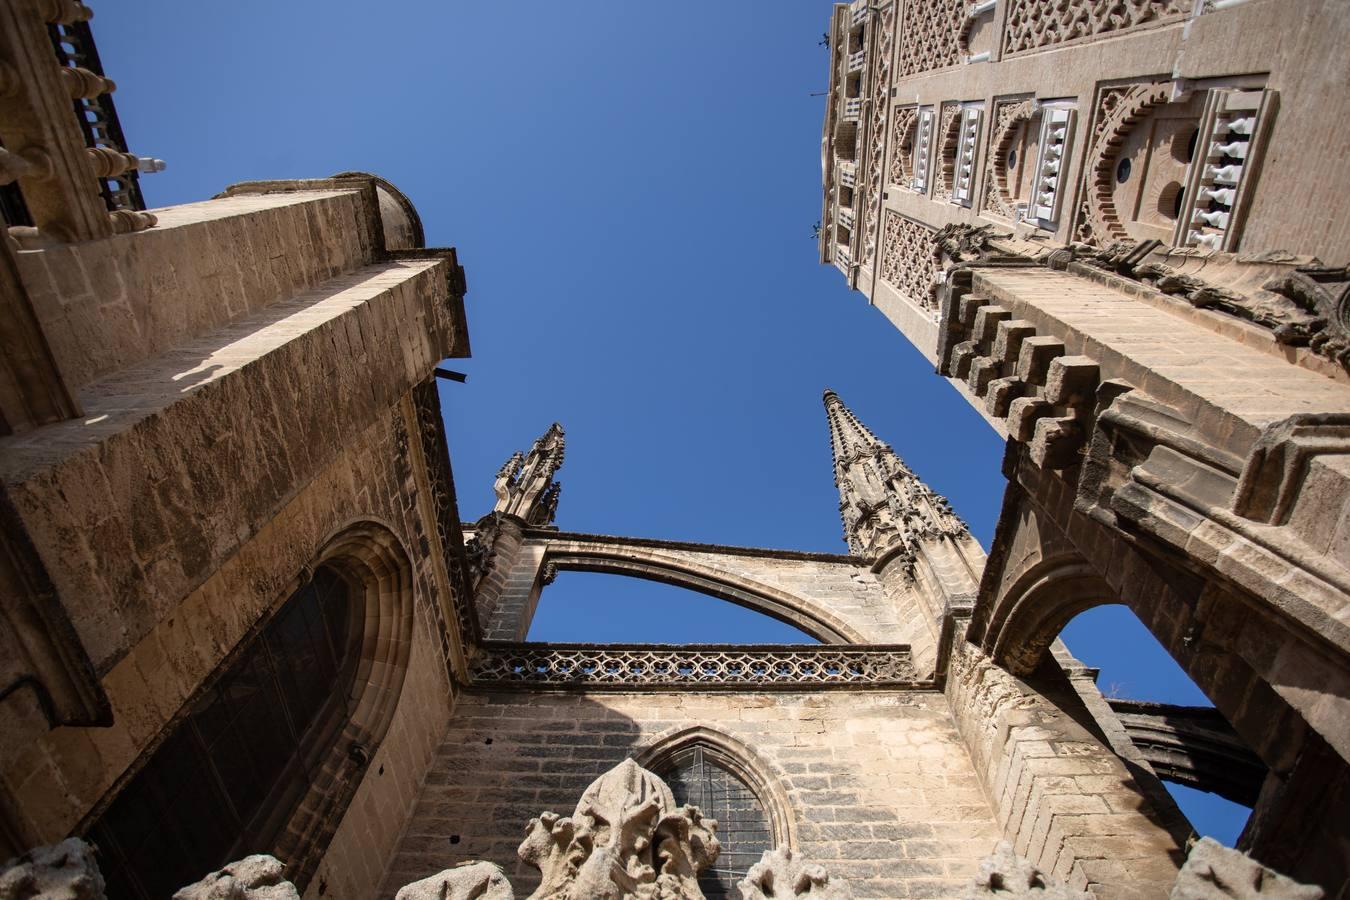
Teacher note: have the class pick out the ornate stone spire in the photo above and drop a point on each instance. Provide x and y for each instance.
(885, 507)
(525, 485)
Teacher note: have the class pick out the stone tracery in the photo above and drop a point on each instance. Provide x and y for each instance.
(907, 262)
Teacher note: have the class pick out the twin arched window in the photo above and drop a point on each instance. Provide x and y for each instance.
(230, 776)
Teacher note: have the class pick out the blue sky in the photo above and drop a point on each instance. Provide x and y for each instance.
(631, 188)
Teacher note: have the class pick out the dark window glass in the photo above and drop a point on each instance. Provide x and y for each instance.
(245, 750)
(742, 825)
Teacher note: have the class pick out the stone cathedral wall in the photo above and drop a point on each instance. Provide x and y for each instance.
(879, 784)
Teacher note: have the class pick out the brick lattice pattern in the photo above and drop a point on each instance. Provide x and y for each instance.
(903, 120)
(1033, 24)
(907, 262)
(931, 36)
(876, 140)
(705, 666)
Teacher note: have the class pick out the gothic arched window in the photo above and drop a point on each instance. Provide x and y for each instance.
(227, 780)
(743, 827)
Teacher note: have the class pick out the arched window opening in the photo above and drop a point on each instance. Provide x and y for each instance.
(1169, 720)
(742, 824)
(228, 779)
(605, 608)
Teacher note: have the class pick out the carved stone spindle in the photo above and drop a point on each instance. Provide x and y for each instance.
(126, 221)
(109, 163)
(83, 84)
(64, 12)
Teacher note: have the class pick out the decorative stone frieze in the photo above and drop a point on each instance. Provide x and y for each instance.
(782, 873)
(682, 667)
(1005, 874)
(256, 877)
(1034, 24)
(64, 871)
(907, 262)
(1216, 872)
(1300, 300)
(931, 37)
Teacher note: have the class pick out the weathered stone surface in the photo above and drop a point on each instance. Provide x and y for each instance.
(626, 838)
(256, 877)
(1004, 873)
(782, 873)
(64, 871)
(471, 881)
(1216, 872)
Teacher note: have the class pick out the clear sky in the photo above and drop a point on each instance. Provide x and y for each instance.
(631, 188)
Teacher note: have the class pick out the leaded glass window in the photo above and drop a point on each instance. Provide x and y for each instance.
(229, 776)
(742, 824)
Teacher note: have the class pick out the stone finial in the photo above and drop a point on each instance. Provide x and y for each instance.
(1005, 874)
(64, 871)
(525, 487)
(255, 877)
(782, 873)
(885, 507)
(1216, 872)
(626, 838)
(471, 881)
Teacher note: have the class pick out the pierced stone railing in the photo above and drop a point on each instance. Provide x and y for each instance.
(702, 666)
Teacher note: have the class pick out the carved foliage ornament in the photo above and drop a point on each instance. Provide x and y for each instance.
(1302, 305)
(1005, 874)
(782, 873)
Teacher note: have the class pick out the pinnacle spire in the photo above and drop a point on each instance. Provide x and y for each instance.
(525, 485)
(884, 506)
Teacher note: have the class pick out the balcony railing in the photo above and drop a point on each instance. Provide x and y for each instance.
(848, 175)
(856, 61)
(656, 666)
(68, 171)
(846, 217)
(852, 109)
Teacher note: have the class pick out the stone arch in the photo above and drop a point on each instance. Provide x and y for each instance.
(1033, 611)
(737, 758)
(819, 623)
(377, 566)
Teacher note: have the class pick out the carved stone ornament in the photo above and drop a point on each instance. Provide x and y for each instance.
(626, 838)
(782, 873)
(471, 881)
(1216, 872)
(1005, 874)
(64, 871)
(1301, 301)
(961, 242)
(525, 487)
(256, 877)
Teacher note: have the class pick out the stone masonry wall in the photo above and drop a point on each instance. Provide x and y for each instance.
(833, 596)
(52, 780)
(111, 303)
(880, 786)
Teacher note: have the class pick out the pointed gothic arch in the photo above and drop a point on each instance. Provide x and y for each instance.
(738, 759)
